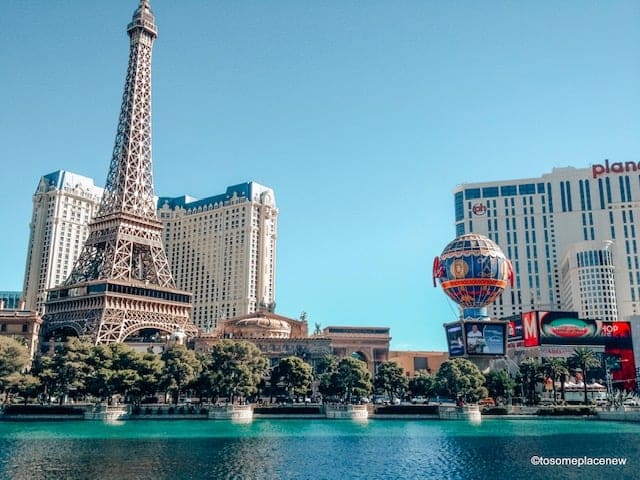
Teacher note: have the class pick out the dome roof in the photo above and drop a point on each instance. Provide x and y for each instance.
(263, 327)
(472, 243)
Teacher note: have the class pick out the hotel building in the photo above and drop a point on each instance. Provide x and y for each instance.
(62, 205)
(571, 237)
(223, 250)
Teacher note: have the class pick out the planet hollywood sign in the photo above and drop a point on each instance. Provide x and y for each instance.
(479, 209)
(615, 167)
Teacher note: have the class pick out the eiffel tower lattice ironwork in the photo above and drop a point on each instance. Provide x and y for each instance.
(122, 282)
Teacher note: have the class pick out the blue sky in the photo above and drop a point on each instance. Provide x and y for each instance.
(362, 116)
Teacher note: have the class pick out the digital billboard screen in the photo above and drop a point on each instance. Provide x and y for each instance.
(485, 338)
(558, 329)
(530, 329)
(514, 328)
(454, 339)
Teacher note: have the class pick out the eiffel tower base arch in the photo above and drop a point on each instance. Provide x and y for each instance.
(112, 317)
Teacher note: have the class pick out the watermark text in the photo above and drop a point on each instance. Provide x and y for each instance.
(539, 460)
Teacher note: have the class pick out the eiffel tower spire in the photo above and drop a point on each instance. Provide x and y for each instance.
(124, 239)
(129, 186)
(121, 281)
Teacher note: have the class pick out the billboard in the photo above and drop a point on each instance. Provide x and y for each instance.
(621, 364)
(552, 326)
(485, 338)
(556, 329)
(527, 327)
(565, 328)
(514, 328)
(530, 329)
(455, 339)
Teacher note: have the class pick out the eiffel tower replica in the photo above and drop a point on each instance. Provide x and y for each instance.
(121, 282)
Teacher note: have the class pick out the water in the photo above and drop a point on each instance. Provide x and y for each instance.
(315, 449)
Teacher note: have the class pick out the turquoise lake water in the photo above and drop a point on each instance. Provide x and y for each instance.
(316, 449)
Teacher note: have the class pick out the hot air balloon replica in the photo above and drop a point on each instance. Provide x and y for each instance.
(473, 271)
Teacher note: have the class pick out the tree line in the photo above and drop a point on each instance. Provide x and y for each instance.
(237, 371)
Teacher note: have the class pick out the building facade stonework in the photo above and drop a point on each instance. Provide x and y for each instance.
(414, 362)
(23, 325)
(63, 204)
(278, 337)
(223, 250)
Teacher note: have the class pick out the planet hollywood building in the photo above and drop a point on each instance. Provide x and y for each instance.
(571, 237)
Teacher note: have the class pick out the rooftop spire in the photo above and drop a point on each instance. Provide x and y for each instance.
(143, 18)
(129, 186)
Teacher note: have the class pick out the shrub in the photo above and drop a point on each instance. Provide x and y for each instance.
(42, 410)
(568, 410)
(495, 411)
(407, 410)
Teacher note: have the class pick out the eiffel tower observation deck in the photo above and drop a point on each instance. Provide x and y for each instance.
(121, 282)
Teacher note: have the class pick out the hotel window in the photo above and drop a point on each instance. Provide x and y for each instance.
(508, 190)
(470, 193)
(490, 192)
(529, 188)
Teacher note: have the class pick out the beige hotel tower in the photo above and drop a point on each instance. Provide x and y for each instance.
(221, 248)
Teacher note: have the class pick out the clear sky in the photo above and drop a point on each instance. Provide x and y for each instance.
(363, 116)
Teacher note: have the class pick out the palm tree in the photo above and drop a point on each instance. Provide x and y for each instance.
(530, 376)
(585, 358)
(555, 369)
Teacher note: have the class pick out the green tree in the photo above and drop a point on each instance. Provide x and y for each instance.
(181, 367)
(71, 368)
(391, 379)
(499, 384)
(350, 378)
(461, 377)
(126, 368)
(202, 386)
(118, 370)
(294, 374)
(326, 364)
(14, 358)
(530, 375)
(556, 369)
(43, 369)
(149, 367)
(327, 385)
(422, 384)
(99, 383)
(236, 369)
(24, 384)
(585, 359)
